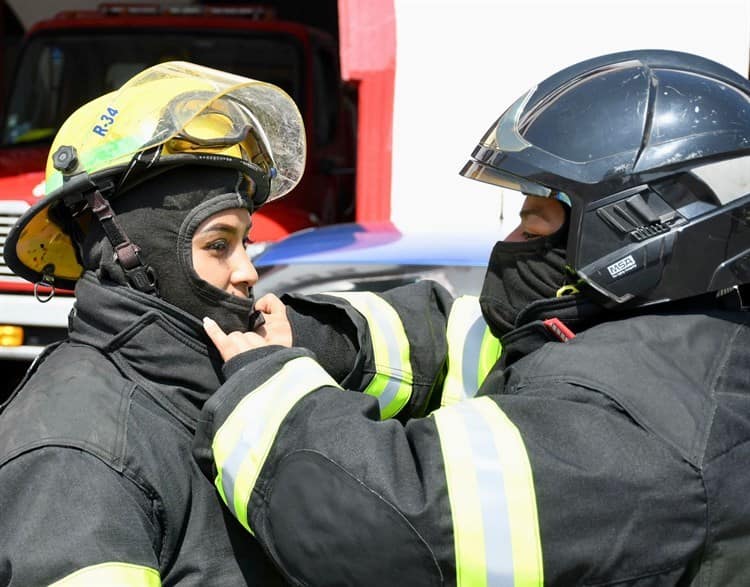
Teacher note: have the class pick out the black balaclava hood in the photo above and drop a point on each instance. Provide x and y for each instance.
(160, 216)
(519, 273)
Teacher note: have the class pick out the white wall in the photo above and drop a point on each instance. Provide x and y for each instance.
(460, 63)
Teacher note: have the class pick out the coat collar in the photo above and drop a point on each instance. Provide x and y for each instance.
(540, 322)
(579, 313)
(155, 344)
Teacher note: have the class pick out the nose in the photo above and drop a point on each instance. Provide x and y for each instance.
(244, 274)
(516, 235)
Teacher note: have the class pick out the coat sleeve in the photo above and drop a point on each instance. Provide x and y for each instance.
(338, 496)
(67, 519)
(397, 349)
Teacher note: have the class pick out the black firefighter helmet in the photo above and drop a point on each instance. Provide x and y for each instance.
(652, 148)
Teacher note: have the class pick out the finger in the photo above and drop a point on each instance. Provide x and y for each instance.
(270, 304)
(239, 342)
(216, 334)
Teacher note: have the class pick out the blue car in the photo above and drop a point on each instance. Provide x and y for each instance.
(373, 257)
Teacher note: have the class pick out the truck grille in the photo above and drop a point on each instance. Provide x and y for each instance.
(10, 211)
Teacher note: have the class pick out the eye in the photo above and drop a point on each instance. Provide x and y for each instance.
(529, 235)
(219, 245)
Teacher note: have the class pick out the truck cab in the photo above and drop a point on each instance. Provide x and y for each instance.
(78, 55)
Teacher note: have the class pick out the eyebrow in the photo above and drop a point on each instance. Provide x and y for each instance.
(221, 227)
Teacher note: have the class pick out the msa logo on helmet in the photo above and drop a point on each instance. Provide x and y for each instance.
(622, 266)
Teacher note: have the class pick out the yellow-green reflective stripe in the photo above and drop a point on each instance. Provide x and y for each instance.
(393, 379)
(241, 444)
(491, 492)
(489, 353)
(472, 351)
(112, 575)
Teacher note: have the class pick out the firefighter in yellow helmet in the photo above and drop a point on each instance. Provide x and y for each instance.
(150, 191)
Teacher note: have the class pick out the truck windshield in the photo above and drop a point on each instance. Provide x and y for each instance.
(58, 73)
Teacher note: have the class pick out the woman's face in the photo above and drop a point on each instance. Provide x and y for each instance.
(219, 255)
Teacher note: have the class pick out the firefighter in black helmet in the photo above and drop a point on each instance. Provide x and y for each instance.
(150, 191)
(607, 444)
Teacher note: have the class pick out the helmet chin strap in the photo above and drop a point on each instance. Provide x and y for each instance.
(141, 276)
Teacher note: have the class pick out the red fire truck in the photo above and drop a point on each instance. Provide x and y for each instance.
(78, 55)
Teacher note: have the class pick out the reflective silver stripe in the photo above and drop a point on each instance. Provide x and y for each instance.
(491, 492)
(112, 575)
(241, 444)
(392, 382)
(470, 348)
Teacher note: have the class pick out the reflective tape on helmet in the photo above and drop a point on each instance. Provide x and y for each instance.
(491, 492)
(112, 574)
(392, 382)
(241, 444)
(472, 351)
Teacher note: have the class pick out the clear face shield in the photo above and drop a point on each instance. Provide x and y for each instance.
(218, 127)
(189, 109)
(227, 128)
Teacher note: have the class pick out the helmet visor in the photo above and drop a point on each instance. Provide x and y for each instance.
(504, 136)
(481, 172)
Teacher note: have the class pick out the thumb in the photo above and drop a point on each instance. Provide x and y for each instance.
(270, 304)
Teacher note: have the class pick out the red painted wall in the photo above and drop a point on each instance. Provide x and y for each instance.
(367, 37)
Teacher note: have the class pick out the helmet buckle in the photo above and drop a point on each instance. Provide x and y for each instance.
(47, 280)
